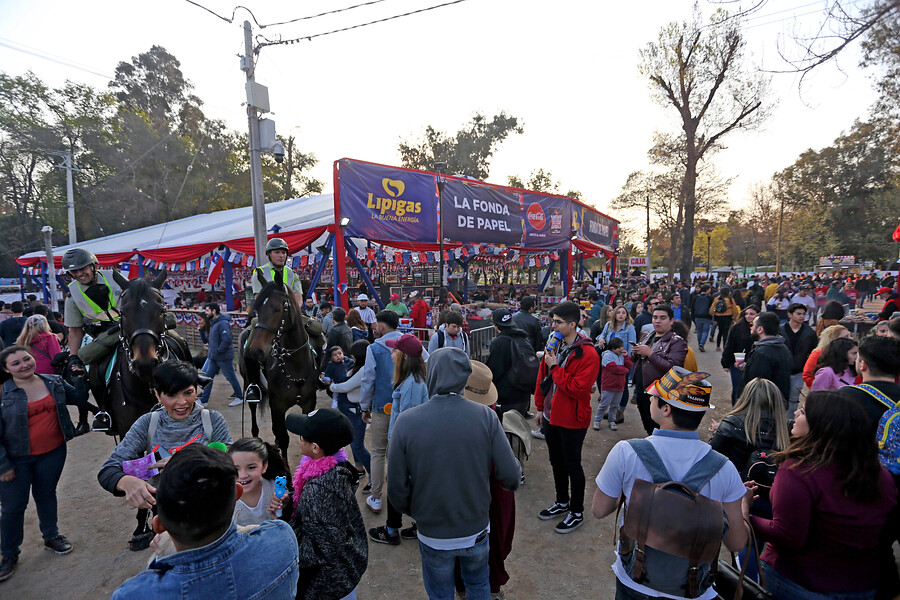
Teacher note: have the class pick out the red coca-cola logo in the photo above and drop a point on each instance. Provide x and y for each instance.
(535, 216)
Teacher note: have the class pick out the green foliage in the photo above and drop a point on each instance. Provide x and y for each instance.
(468, 152)
(541, 181)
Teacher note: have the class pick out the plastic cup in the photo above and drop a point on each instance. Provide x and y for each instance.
(739, 358)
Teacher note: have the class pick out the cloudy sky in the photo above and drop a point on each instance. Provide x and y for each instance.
(567, 68)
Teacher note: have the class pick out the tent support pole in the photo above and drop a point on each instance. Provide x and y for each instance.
(547, 276)
(351, 252)
(317, 275)
(229, 280)
(22, 282)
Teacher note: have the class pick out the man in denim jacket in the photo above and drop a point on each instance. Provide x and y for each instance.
(195, 497)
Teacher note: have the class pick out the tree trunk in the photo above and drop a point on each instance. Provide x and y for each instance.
(688, 190)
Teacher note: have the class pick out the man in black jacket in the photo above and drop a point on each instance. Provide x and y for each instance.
(525, 320)
(800, 339)
(769, 358)
(500, 361)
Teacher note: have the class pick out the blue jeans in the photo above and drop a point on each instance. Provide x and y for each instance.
(360, 455)
(211, 367)
(438, 567)
(737, 377)
(785, 589)
(703, 326)
(623, 592)
(38, 474)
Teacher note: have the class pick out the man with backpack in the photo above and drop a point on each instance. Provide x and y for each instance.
(700, 305)
(450, 334)
(513, 364)
(674, 488)
(563, 397)
(878, 363)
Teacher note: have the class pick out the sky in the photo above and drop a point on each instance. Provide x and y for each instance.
(567, 68)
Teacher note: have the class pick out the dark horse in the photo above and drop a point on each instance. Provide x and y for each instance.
(279, 344)
(143, 345)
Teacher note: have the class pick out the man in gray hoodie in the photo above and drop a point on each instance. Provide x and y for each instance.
(442, 455)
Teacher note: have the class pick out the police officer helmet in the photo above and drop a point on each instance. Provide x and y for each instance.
(78, 258)
(277, 244)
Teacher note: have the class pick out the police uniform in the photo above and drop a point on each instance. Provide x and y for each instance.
(82, 311)
(268, 272)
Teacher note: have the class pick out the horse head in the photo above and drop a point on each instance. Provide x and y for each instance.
(143, 322)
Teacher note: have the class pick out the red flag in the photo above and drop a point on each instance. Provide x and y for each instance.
(132, 270)
(897, 234)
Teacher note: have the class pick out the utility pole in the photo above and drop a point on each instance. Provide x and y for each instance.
(68, 165)
(440, 168)
(780, 221)
(256, 186)
(51, 267)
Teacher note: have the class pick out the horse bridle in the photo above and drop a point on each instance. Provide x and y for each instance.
(280, 353)
(162, 348)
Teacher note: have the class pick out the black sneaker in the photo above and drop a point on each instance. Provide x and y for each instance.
(367, 489)
(410, 533)
(7, 566)
(81, 428)
(572, 522)
(554, 511)
(381, 535)
(59, 544)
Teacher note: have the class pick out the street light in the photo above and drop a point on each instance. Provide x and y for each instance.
(440, 168)
(746, 256)
(708, 232)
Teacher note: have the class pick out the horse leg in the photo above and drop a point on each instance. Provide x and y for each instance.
(254, 428)
(282, 439)
(143, 533)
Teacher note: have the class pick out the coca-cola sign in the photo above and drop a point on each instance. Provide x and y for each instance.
(536, 216)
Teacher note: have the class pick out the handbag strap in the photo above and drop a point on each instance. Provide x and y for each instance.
(751, 548)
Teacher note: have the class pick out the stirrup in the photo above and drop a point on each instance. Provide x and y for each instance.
(252, 394)
(101, 422)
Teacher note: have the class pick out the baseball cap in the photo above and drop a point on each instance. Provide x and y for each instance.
(414, 294)
(361, 297)
(326, 427)
(502, 318)
(395, 297)
(683, 389)
(407, 344)
(883, 290)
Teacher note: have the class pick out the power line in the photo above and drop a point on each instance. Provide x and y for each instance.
(268, 42)
(330, 12)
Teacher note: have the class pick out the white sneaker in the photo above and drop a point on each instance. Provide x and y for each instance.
(537, 434)
(613, 426)
(374, 504)
(236, 402)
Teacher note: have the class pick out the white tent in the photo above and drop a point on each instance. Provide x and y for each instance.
(233, 227)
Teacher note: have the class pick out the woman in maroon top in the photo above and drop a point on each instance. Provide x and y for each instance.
(43, 343)
(830, 503)
(34, 428)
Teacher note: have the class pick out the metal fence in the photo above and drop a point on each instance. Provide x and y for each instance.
(480, 342)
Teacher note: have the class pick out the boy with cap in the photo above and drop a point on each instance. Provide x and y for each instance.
(501, 359)
(397, 306)
(679, 400)
(326, 519)
(196, 496)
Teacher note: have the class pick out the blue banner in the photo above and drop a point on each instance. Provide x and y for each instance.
(593, 227)
(474, 212)
(388, 204)
(548, 220)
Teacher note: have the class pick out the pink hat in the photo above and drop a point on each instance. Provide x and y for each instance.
(407, 344)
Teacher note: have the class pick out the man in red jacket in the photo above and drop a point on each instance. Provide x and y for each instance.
(419, 314)
(563, 397)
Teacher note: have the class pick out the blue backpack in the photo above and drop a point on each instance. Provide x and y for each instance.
(888, 434)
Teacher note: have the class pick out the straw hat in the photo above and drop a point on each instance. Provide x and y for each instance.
(480, 387)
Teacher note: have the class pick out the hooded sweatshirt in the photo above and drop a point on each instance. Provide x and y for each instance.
(221, 338)
(770, 359)
(442, 454)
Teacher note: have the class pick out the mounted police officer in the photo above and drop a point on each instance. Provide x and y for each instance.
(91, 308)
(277, 252)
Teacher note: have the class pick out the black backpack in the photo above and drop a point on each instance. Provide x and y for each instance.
(525, 366)
(721, 306)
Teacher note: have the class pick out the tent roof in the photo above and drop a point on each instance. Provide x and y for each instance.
(301, 221)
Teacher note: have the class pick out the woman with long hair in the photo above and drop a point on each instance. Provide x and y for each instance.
(619, 324)
(837, 365)
(357, 326)
(832, 314)
(739, 340)
(44, 345)
(348, 395)
(830, 502)
(36, 427)
(829, 334)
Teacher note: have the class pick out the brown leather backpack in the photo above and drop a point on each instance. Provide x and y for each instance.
(675, 534)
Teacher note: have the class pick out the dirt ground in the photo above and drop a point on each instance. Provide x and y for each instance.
(543, 564)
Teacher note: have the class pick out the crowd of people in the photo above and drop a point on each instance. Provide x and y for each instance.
(793, 478)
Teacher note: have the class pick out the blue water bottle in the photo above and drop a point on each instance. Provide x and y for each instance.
(280, 490)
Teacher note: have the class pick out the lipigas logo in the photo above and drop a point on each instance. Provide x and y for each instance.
(392, 207)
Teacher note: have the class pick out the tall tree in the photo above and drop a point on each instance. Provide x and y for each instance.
(541, 180)
(699, 70)
(468, 152)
